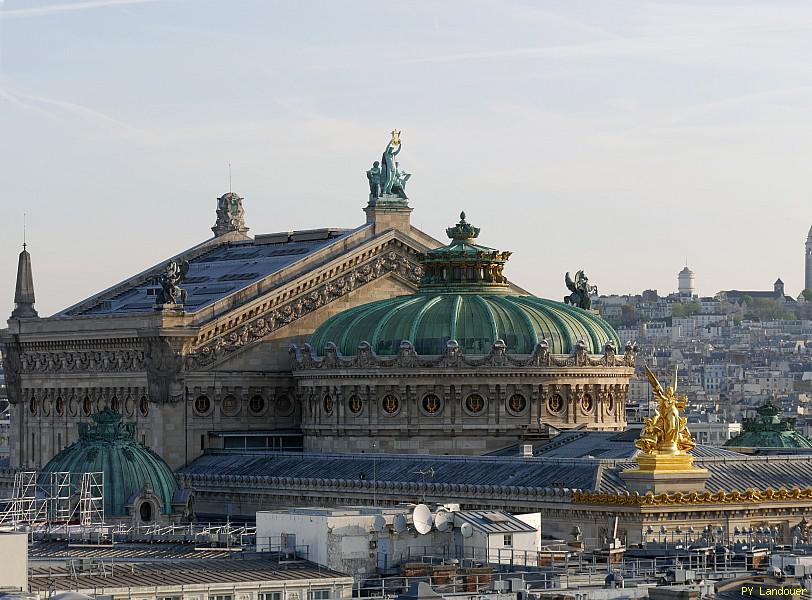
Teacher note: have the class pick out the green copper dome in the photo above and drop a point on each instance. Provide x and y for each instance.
(109, 446)
(769, 430)
(464, 296)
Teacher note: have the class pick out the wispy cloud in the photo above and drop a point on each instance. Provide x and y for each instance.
(52, 9)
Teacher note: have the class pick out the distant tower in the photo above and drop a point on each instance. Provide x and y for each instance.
(687, 282)
(778, 288)
(230, 215)
(24, 291)
(808, 278)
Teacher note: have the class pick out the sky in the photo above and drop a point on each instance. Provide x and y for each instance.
(619, 137)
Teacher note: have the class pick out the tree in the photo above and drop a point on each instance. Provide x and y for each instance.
(807, 294)
(628, 314)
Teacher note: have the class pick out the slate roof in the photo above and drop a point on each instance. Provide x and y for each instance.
(493, 522)
(215, 273)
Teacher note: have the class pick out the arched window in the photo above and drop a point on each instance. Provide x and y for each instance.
(145, 512)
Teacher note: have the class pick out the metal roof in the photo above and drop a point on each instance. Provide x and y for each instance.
(169, 574)
(216, 273)
(729, 470)
(493, 522)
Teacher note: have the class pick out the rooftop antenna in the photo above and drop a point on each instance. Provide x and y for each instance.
(24, 241)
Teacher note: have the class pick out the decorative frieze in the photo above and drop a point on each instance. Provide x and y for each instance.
(304, 358)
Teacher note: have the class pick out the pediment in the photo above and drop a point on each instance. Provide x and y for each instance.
(345, 281)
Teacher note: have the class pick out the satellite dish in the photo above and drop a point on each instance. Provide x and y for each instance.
(422, 519)
(399, 523)
(466, 530)
(443, 520)
(379, 523)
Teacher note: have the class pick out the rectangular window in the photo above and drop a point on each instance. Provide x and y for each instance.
(221, 597)
(319, 595)
(270, 596)
(169, 597)
(508, 539)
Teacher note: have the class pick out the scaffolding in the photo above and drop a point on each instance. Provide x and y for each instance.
(63, 499)
(91, 499)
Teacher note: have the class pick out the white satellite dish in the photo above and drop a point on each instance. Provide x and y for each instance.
(466, 530)
(443, 520)
(399, 523)
(379, 523)
(422, 519)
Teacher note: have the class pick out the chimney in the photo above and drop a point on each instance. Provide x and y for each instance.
(24, 291)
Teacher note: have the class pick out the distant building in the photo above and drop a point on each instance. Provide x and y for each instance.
(777, 293)
(687, 282)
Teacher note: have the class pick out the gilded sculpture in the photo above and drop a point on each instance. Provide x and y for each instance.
(666, 432)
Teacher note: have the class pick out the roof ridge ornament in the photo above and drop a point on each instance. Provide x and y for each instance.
(462, 230)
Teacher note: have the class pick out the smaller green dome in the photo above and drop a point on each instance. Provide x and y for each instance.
(769, 430)
(109, 446)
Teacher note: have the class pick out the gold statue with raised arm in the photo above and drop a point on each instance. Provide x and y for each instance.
(666, 432)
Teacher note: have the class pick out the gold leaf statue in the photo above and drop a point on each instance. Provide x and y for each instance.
(666, 432)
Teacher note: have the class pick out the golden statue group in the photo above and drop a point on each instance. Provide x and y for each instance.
(666, 432)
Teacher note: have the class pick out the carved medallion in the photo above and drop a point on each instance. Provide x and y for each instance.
(390, 404)
(32, 406)
(587, 403)
(87, 405)
(202, 405)
(475, 404)
(328, 404)
(517, 404)
(555, 404)
(431, 404)
(231, 406)
(143, 406)
(256, 404)
(356, 404)
(115, 405)
(284, 406)
(59, 406)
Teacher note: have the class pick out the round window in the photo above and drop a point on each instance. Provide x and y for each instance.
(555, 403)
(59, 406)
(202, 404)
(87, 405)
(143, 405)
(115, 405)
(610, 402)
(256, 404)
(517, 404)
(390, 404)
(431, 404)
(32, 406)
(356, 404)
(475, 404)
(328, 404)
(145, 512)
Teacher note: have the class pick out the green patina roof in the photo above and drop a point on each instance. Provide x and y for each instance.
(476, 321)
(464, 296)
(769, 430)
(109, 446)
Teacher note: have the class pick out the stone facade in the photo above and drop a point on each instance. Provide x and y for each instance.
(182, 375)
(454, 404)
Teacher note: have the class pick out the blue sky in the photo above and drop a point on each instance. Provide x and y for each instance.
(618, 137)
